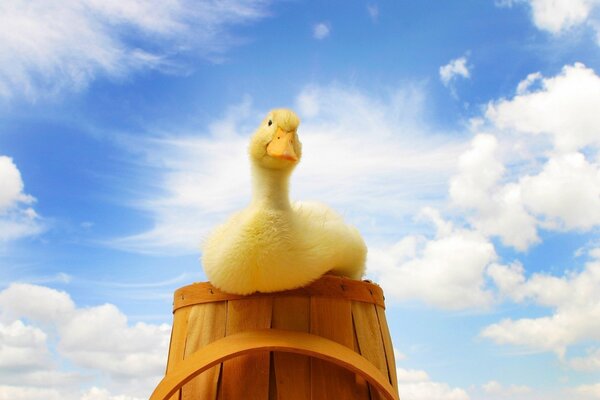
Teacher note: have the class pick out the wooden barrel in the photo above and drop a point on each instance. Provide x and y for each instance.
(328, 340)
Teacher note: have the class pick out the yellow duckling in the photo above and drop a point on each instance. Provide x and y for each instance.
(274, 245)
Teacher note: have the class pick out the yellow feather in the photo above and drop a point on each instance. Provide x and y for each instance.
(273, 245)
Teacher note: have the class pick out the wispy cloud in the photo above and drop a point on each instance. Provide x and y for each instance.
(321, 30)
(50, 46)
(387, 162)
(373, 11)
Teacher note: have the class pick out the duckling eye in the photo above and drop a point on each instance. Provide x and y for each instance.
(270, 122)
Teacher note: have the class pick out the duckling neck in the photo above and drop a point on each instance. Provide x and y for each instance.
(270, 188)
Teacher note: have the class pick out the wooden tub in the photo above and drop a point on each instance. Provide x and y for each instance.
(325, 341)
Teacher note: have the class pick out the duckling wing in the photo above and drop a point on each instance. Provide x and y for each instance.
(335, 242)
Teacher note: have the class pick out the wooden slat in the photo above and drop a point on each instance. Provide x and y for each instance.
(206, 323)
(177, 346)
(292, 371)
(269, 340)
(327, 286)
(362, 387)
(370, 341)
(331, 319)
(389, 347)
(247, 377)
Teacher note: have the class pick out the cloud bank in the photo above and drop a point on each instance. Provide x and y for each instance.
(50, 46)
(42, 330)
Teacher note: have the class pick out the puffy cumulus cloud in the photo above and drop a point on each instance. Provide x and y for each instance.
(97, 341)
(17, 217)
(363, 155)
(447, 271)
(128, 352)
(498, 209)
(43, 304)
(575, 301)
(28, 393)
(455, 68)
(565, 108)
(536, 166)
(411, 375)
(103, 394)
(566, 193)
(417, 385)
(558, 16)
(496, 388)
(11, 191)
(431, 391)
(47, 46)
(22, 347)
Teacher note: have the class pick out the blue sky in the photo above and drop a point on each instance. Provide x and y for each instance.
(468, 136)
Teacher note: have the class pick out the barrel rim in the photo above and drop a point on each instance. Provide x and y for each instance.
(331, 286)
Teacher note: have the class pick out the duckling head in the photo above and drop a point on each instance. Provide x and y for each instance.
(275, 143)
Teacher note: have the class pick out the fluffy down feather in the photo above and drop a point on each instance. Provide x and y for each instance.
(273, 245)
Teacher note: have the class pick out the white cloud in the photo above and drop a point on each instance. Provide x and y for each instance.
(129, 351)
(416, 385)
(22, 346)
(17, 218)
(103, 394)
(593, 391)
(589, 362)
(48, 46)
(574, 299)
(43, 304)
(98, 341)
(557, 16)
(496, 388)
(535, 167)
(498, 209)
(452, 70)
(566, 193)
(524, 86)
(447, 271)
(11, 185)
(565, 108)
(321, 30)
(29, 393)
(411, 375)
(383, 148)
(373, 10)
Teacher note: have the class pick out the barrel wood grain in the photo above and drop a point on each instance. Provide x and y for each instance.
(389, 347)
(332, 319)
(206, 323)
(340, 309)
(362, 387)
(291, 371)
(370, 342)
(177, 346)
(247, 377)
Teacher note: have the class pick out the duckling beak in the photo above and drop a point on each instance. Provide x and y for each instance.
(282, 145)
